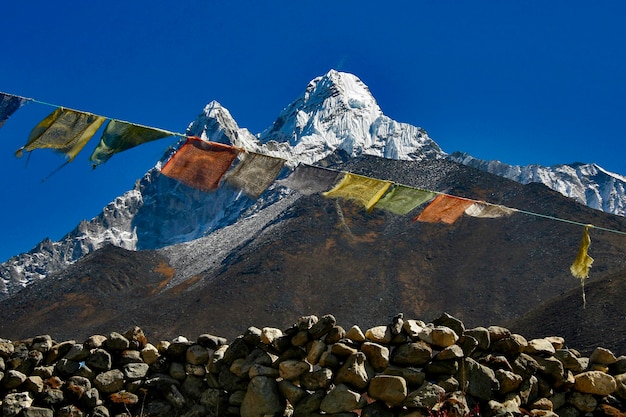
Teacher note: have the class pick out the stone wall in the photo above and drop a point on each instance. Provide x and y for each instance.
(316, 367)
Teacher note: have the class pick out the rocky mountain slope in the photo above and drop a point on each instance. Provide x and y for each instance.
(335, 113)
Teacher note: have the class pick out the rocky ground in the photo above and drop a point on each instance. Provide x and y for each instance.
(315, 367)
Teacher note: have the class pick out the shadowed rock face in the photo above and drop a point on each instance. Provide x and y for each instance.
(311, 255)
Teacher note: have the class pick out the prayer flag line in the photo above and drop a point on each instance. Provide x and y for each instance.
(257, 171)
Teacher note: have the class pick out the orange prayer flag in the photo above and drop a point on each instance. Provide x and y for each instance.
(445, 209)
(200, 164)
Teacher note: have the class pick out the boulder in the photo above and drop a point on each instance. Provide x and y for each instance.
(262, 398)
(389, 389)
(595, 382)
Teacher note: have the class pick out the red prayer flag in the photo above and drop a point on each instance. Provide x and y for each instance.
(200, 164)
(445, 209)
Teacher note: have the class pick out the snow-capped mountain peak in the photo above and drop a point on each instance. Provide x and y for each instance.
(338, 111)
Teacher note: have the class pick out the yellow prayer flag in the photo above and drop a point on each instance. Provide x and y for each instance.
(66, 131)
(362, 189)
(582, 263)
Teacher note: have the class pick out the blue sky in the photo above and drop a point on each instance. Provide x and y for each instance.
(521, 82)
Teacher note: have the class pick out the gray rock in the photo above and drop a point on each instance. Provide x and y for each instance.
(315, 351)
(13, 379)
(309, 405)
(551, 368)
(498, 333)
(99, 360)
(342, 350)
(510, 346)
(413, 376)
(341, 399)
(292, 369)
(322, 326)
(262, 370)
(481, 334)
(379, 334)
(479, 380)
(177, 371)
(42, 343)
(116, 342)
(451, 322)
(569, 360)
(6, 348)
(210, 341)
(135, 370)
(317, 380)
(291, 391)
(595, 382)
(602, 356)
(77, 353)
(66, 367)
(174, 397)
(34, 384)
(193, 387)
(539, 347)
(355, 334)
(13, 403)
(425, 397)
(335, 334)
(355, 371)
(411, 354)
(77, 386)
(377, 355)
(37, 412)
(585, 403)
(52, 396)
(91, 398)
(262, 398)
(449, 367)
(509, 381)
(100, 411)
(70, 411)
(110, 381)
(95, 341)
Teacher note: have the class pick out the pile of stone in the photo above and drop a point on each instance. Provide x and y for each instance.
(316, 367)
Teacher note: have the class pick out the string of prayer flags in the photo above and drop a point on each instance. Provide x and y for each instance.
(488, 211)
(200, 164)
(309, 179)
(66, 131)
(362, 189)
(120, 136)
(9, 104)
(445, 209)
(254, 173)
(402, 199)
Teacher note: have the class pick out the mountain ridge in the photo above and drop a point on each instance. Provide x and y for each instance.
(336, 112)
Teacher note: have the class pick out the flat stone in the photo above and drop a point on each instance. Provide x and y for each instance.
(292, 369)
(411, 354)
(379, 334)
(481, 334)
(110, 381)
(539, 347)
(602, 356)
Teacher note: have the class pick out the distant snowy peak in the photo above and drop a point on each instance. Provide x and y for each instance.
(338, 111)
(588, 184)
(335, 112)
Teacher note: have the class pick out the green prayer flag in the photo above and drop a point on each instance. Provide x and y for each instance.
(120, 136)
(402, 199)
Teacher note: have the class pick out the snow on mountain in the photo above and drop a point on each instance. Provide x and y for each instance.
(588, 184)
(336, 113)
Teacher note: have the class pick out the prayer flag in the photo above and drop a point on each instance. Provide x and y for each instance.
(445, 209)
(255, 173)
(582, 263)
(402, 199)
(200, 164)
(120, 136)
(309, 179)
(357, 187)
(9, 104)
(66, 131)
(488, 211)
